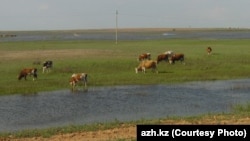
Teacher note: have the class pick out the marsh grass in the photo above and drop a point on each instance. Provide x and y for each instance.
(108, 63)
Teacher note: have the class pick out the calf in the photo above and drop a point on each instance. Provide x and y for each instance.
(78, 77)
(28, 71)
(147, 64)
(209, 50)
(47, 65)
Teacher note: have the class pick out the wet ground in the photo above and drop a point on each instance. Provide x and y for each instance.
(123, 103)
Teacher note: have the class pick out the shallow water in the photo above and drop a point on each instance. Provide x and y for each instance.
(84, 35)
(123, 103)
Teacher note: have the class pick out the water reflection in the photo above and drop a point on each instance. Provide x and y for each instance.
(123, 103)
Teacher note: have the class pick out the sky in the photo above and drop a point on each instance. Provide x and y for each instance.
(101, 14)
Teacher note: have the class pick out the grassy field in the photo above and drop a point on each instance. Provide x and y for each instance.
(108, 63)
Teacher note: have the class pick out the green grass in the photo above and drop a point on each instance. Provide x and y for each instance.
(108, 63)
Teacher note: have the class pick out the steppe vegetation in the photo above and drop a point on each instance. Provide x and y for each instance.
(108, 64)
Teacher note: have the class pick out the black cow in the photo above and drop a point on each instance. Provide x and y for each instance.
(47, 66)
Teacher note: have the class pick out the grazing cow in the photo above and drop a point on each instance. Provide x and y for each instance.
(144, 56)
(176, 57)
(78, 77)
(209, 50)
(147, 64)
(47, 65)
(28, 71)
(162, 57)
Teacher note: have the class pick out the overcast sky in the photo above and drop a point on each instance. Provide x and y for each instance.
(99, 14)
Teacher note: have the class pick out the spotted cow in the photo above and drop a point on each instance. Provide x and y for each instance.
(78, 78)
(47, 66)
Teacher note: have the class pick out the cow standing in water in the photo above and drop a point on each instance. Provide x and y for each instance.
(47, 66)
(78, 78)
(209, 50)
(28, 71)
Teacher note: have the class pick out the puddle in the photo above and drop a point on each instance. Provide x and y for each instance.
(123, 103)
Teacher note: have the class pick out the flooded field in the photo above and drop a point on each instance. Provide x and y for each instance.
(123, 103)
(126, 35)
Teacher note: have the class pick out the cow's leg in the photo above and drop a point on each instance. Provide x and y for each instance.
(73, 85)
(44, 69)
(84, 85)
(144, 69)
(170, 61)
(136, 70)
(34, 77)
(154, 69)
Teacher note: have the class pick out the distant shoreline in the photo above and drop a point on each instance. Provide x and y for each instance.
(3, 32)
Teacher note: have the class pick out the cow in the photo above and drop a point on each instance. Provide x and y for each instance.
(209, 50)
(144, 56)
(176, 57)
(47, 66)
(147, 64)
(28, 71)
(162, 57)
(78, 77)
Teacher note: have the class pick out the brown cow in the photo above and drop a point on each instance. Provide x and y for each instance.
(78, 77)
(209, 50)
(28, 71)
(177, 57)
(147, 64)
(162, 57)
(144, 56)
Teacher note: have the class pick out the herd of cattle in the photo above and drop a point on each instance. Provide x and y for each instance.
(46, 67)
(145, 62)
(168, 56)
